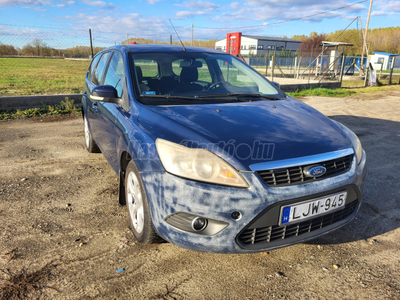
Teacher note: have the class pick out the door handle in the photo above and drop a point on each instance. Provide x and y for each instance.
(95, 105)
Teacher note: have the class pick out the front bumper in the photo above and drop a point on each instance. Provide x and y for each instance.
(168, 194)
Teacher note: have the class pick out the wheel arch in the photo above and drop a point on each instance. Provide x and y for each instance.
(125, 159)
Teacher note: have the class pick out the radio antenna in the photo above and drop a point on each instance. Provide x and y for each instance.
(183, 46)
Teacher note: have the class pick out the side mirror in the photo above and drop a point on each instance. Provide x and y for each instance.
(276, 84)
(105, 93)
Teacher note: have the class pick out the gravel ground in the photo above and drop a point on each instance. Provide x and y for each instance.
(63, 235)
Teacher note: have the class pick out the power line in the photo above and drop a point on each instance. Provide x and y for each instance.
(285, 21)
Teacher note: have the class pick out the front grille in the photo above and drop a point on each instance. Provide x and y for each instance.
(295, 175)
(263, 235)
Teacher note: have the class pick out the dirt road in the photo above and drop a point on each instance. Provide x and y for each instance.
(63, 235)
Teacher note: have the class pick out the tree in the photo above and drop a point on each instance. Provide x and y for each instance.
(38, 48)
(8, 50)
(313, 43)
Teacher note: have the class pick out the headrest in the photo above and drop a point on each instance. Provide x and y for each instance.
(188, 75)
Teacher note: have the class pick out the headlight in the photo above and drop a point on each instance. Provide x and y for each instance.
(354, 140)
(197, 164)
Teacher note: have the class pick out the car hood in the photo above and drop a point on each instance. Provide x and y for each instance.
(246, 133)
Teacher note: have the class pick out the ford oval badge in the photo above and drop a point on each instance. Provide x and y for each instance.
(315, 171)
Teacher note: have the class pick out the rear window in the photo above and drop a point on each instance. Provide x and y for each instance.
(204, 72)
(149, 67)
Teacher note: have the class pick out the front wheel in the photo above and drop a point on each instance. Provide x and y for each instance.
(90, 144)
(138, 207)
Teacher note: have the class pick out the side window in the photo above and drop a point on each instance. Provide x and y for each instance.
(115, 75)
(98, 72)
(234, 76)
(93, 65)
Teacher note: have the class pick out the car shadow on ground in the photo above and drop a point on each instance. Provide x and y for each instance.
(380, 209)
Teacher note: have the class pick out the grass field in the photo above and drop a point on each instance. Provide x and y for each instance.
(38, 76)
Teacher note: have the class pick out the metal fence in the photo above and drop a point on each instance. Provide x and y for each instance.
(54, 75)
(42, 60)
(22, 41)
(318, 66)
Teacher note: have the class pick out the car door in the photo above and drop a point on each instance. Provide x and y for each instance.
(107, 132)
(92, 106)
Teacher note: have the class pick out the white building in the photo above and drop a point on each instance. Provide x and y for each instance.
(383, 60)
(259, 45)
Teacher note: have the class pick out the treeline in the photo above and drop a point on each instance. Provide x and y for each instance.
(41, 49)
(196, 43)
(378, 39)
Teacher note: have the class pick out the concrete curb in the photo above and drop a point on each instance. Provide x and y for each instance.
(26, 102)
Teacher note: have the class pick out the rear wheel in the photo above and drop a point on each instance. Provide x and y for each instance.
(90, 144)
(138, 207)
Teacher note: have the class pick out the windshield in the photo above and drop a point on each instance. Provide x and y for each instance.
(198, 77)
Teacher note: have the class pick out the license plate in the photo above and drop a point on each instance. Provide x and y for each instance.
(312, 208)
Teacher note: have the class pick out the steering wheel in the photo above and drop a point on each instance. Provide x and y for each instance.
(218, 84)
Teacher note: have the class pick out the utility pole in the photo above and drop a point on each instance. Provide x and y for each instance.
(192, 34)
(127, 38)
(365, 35)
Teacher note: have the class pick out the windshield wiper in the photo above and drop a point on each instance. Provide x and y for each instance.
(236, 96)
(224, 96)
(168, 97)
(256, 96)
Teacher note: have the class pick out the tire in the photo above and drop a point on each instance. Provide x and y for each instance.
(90, 144)
(138, 207)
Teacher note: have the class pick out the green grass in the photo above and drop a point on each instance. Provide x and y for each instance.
(65, 108)
(322, 92)
(39, 76)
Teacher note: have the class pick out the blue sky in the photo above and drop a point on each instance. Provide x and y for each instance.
(110, 21)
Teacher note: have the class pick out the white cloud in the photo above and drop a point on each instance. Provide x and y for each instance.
(99, 4)
(36, 8)
(25, 2)
(200, 5)
(384, 7)
(104, 29)
(276, 11)
(188, 14)
(17, 31)
(36, 3)
(152, 1)
(379, 13)
(234, 5)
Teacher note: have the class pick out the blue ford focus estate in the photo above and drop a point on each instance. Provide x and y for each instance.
(211, 156)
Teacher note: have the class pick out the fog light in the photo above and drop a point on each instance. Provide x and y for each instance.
(195, 224)
(199, 224)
